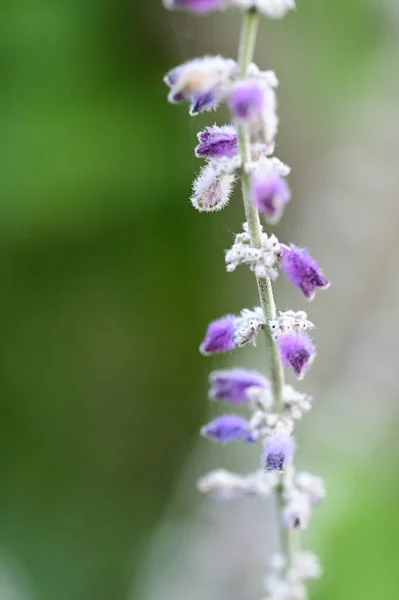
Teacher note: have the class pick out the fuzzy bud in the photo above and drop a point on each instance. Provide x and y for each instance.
(200, 81)
(211, 191)
(217, 142)
(219, 336)
(246, 100)
(303, 271)
(297, 512)
(233, 385)
(297, 351)
(228, 428)
(278, 451)
(270, 193)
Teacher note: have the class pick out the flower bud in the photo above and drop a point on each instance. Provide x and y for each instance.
(228, 428)
(219, 336)
(297, 351)
(232, 385)
(211, 191)
(217, 142)
(270, 193)
(247, 100)
(303, 271)
(278, 451)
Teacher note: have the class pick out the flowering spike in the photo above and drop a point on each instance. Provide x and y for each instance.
(303, 271)
(219, 336)
(247, 100)
(278, 451)
(228, 428)
(270, 193)
(211, 191)
(245, 149)
(297, 351)
(217, 142)
(232, 385)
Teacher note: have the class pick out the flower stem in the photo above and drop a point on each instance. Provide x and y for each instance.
(290, 539)
(245, 57)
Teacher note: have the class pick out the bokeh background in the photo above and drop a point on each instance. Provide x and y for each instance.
(108, 279)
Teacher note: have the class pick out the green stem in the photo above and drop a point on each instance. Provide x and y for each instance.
(290, 539)
(245, 57)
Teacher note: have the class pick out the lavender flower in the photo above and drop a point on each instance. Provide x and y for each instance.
(250, 93)
(303, 271)
(278, 451)
(270, 193)
(297, 351)
(228, 428)
(247, 100)
(200, 82)
(211, 191)
(217, 142)
(219, 336)
(232, 385)
(197, 6)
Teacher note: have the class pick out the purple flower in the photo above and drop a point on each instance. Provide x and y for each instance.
(232, 385)
(247, 100)
(197, 6)
(278, 451)
(219, 336)
(217, 142)
(200, 82)
(303, 271)
(228, 428)
(297, 351)
(270, 193)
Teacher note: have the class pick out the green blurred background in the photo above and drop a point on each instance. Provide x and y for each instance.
(109, 278)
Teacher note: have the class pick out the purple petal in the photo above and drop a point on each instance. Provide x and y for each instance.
(247, 100)
(270, 193)
(202, 103)
(228, 428)
(278, 451)
(303, 271)
(297, 351)
(232, 385)
(219, 336)
(217, 142)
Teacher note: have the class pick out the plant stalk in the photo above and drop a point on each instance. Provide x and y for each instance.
(249, 29)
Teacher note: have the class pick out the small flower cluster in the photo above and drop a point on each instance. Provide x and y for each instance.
(287, 582)
(244, 149)
(262, 261)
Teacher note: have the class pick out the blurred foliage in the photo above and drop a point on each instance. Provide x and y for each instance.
(108, 279)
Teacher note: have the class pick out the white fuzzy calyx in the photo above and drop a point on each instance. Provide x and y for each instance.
(296, 403)
(285, 584)
(274, 9)
(200, 75)
(262, 261)
(248, 325)
(290, 320)
(225, 485)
